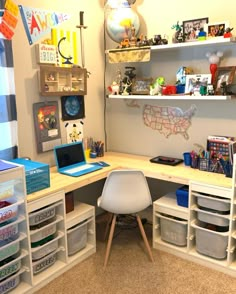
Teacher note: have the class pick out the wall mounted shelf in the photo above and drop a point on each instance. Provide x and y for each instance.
(172, 97)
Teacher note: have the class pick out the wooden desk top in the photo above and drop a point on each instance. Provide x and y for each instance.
(177, 174)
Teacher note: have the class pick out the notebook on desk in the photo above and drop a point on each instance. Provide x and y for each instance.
(71, 161)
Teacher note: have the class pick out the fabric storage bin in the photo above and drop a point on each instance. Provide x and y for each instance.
(9, 250)
(8, 233)
(42, 264)
(213, 202)
(10, 283)
(212, 218)
(173, 230)
(42, 251)
(43, 232)
(77, 238)
(211, 243)
(10, 268)
(8, 210)
(42, 215)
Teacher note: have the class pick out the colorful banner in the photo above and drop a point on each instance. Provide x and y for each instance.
(38, 22)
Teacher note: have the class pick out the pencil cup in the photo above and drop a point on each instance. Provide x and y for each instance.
(187, 158)
(87, 153)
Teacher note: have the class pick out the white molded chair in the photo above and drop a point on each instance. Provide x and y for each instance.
(125, 192)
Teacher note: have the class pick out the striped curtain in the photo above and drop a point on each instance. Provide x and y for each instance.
(8, 115)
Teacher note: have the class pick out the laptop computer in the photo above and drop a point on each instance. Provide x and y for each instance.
(71, 161)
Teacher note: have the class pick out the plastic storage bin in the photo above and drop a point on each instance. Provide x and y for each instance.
(182, 196)
(42, 215)
(8, 210)
(8, 233)
(9, 250)
(214, 203)
(173, 230)
(210, 243)
(6, 190)
(42, 264)
(77, 238)
(43, 232)
(42, 251)
(212, 218)
(10, 283)
(10, 268)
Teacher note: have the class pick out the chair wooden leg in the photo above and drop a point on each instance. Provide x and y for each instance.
(144, 237)
(108, 222)
(110, 240)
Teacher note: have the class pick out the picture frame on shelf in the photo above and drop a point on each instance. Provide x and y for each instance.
(192, 27)
(141, 86)
(223, 74)
(194, 83)
(216, 29)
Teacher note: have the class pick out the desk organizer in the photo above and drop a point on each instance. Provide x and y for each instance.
(209, 242)
(182, 196)
(173, 230)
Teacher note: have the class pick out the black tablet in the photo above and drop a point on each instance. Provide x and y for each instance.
(166, 160)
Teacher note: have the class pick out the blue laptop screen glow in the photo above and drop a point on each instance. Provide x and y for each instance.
(70, 154)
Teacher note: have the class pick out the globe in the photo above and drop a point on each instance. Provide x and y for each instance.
(120, 20)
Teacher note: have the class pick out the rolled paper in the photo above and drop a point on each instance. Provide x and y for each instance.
(81, 18)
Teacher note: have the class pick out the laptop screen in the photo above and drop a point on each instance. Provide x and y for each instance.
(69, 154)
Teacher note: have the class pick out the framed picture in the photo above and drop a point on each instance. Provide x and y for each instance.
(192, 27)
(216, 29)
(225, 75)
(194, 83)
(141, 86)
(72, 107)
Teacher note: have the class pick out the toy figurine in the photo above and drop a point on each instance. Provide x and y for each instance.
(157, 86)
(210, 90)
(228, 33)
(178, 35)
(214, 59)
(201, 35)
(114, 88)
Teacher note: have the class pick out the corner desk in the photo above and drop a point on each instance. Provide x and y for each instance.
(198, 181)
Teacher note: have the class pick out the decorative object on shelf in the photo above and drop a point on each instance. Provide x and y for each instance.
(216, 29)
(157, 86)
(141, 86)
(227, 33)
(72, 107)
(169, 90)
(178, 36)
(214, 59)
(223, 75)
(81, 28)
(46, 53)
(74, 131)
(128, 80)
(114, 88)
(194, 83)
(201, 35)
(191, 28)
(64, 49)
(47, 125)
(158, 40)
(119, 19)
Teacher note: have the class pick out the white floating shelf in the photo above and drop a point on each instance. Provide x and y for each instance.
(172, 97)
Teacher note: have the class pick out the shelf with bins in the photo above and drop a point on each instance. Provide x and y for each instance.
(62, 81)
(81, 236)
(15, 264)
(161, 48)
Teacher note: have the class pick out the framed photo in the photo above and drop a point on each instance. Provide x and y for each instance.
(141, 86)
(216, 29)
(192, 27)
(194, 83)
(72, 107)
(223, 75)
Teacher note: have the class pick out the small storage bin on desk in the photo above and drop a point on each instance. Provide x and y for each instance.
(209, 241)
(216, 166)
(173, 229)
(182, 196)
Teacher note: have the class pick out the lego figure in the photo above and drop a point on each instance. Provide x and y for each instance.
(228, 33)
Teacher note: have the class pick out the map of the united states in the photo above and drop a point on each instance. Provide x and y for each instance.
(168, 120)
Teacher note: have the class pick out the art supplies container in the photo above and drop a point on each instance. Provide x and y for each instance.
(77, 238)
(8, 210)
(42, 215)
(173, 230)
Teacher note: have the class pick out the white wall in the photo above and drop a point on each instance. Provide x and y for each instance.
(127, 132)
(26, 70)
(125, 128)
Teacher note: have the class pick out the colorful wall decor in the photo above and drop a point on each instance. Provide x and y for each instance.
(9, 20)
(38, 23)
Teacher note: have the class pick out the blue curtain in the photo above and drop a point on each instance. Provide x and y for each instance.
(8, 115)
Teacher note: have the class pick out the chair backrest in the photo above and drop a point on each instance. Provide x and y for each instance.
(125, 191)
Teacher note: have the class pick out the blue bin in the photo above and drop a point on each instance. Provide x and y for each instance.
(182, 196)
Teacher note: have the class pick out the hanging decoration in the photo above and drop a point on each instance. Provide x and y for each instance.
(9, 20)
(38, 23)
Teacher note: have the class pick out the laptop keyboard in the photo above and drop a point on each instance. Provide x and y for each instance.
(78, 168)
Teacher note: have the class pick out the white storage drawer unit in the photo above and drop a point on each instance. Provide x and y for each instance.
(212, 218)
(42, 215)
(212, 203)
(173, 229)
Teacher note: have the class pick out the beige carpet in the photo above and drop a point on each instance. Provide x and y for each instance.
(129, 271)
